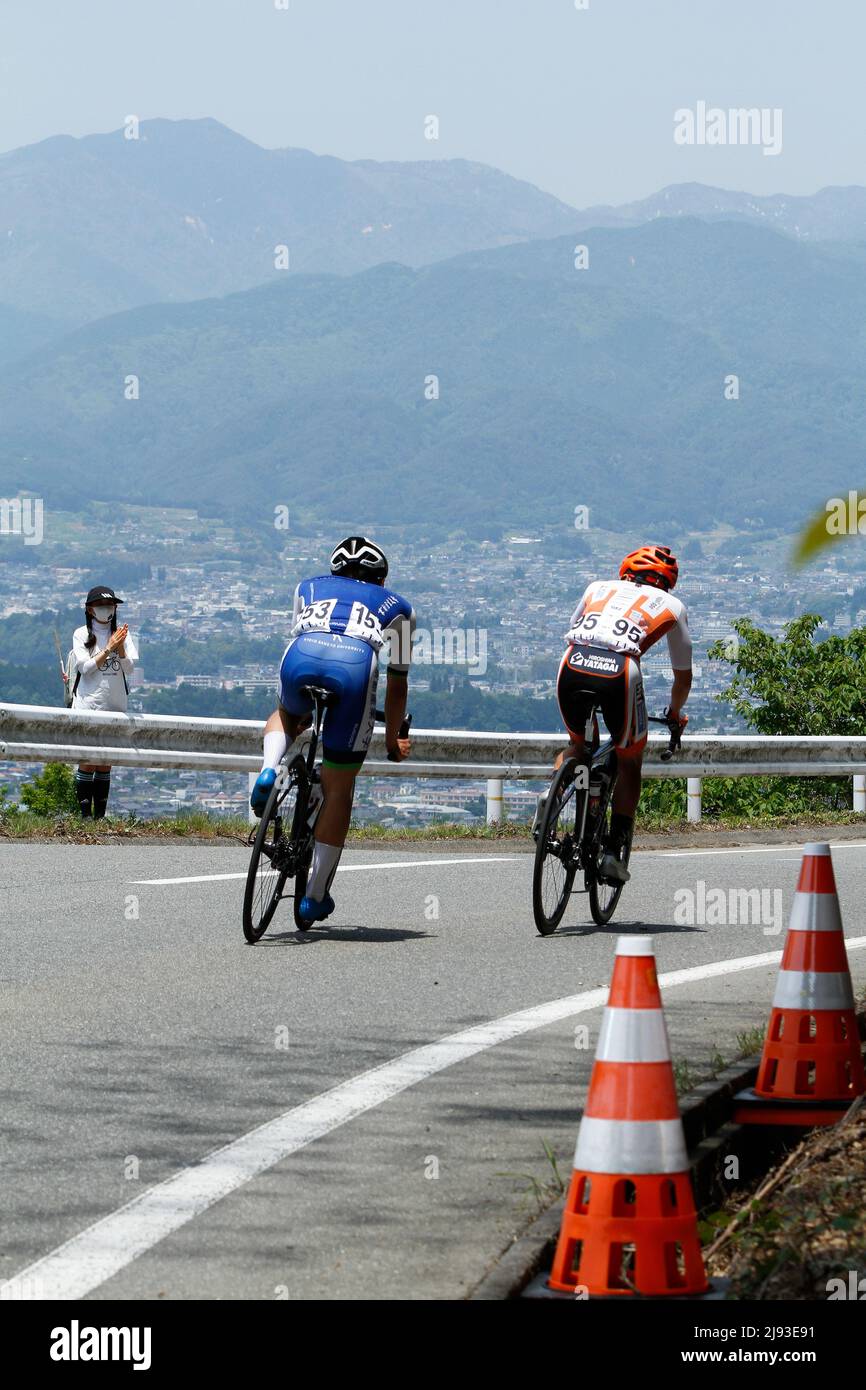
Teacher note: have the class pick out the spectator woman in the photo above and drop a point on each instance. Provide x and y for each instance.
(104, 657)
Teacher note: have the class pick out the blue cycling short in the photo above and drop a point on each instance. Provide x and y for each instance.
(350, 669)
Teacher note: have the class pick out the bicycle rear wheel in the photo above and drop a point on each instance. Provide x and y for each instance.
(271, 862)
(603, 895)
(555, 866)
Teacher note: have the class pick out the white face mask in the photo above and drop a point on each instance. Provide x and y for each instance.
(102, 614)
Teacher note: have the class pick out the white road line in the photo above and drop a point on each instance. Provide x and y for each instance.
(86, 1260)
(508, 859)
(343, 868)
(742, 849)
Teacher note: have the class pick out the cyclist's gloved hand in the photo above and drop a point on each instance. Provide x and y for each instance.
(399, 751)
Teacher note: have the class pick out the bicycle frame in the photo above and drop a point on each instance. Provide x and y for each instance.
(319, 697)
(599, 754)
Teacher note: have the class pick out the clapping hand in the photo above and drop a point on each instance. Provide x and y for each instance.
(117, 640)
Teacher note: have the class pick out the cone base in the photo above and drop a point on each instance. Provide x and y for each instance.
(812, 1055)
(753, 1109)
(539, 1287)
(627, 1234)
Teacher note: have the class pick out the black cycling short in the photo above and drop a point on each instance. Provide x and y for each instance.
(610, 680)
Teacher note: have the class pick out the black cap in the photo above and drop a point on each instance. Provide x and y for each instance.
(102, 594)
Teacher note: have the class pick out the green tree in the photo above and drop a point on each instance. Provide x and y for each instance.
(796, 684)
(52, 793)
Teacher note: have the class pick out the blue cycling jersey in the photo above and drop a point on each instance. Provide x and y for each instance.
(339, 626)
(353, 608)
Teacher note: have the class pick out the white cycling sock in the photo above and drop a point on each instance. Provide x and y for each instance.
(324, 866)
(275, 746)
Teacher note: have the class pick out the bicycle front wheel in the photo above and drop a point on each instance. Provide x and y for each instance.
(555, 864)
(271, 860)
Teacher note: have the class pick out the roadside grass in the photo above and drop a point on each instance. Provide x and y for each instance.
(750, 1041)
(16, 823)
(801, 1230)
(687, 1076)
(543, 1190)
(25, 825)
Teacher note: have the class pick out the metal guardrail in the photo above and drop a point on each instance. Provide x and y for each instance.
(44, 733)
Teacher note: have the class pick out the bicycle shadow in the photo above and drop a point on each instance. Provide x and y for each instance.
(636, 927)
(375, 935)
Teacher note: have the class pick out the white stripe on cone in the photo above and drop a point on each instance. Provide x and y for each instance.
(815, 850)
(633, 1035)
(810, 989)
(815, 912)
(630, 1146)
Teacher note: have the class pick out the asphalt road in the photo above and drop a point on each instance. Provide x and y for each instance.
(186, 1116)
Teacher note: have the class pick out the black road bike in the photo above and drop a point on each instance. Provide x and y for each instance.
(574, 827)
(283, 842)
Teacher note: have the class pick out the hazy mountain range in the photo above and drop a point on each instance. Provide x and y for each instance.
(831, 214)
(192, 210)
(557, 386)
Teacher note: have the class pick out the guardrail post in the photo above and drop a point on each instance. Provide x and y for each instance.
(252, 818)
(494, 800)
(693, 790)
(859, 792)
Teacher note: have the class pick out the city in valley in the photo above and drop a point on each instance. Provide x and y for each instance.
(210, 608)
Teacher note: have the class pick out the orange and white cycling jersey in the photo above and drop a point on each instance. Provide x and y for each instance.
(628, 617)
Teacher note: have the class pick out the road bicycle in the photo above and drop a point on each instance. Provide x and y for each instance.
(283, 841)
(573, 830)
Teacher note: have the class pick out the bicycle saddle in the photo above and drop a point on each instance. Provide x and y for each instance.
(319, 695)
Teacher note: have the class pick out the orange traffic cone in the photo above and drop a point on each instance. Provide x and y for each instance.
(630, 1224)
(812, 1066)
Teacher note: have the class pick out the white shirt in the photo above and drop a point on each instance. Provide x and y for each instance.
(101, 689)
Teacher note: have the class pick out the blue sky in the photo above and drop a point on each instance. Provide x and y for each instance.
(580, 102)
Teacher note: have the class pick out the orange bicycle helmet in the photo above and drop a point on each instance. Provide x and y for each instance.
(651, 564)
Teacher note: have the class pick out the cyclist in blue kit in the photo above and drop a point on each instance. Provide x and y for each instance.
(340, 623)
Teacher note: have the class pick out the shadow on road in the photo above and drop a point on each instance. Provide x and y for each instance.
(381, 935)
(625, 928)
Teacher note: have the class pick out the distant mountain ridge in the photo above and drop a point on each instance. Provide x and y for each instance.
(831, 214)
(192, 210)
(557, 388)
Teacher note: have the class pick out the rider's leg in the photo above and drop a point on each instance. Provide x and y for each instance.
(630, 721)
(573, 749)
(281, 729)
(332, 827)
(574, 709)
(346, 732)
(626, 793)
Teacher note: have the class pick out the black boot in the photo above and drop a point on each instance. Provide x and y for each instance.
(84, 791)
(101, 788)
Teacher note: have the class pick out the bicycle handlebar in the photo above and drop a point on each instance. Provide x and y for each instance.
(676, 734)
